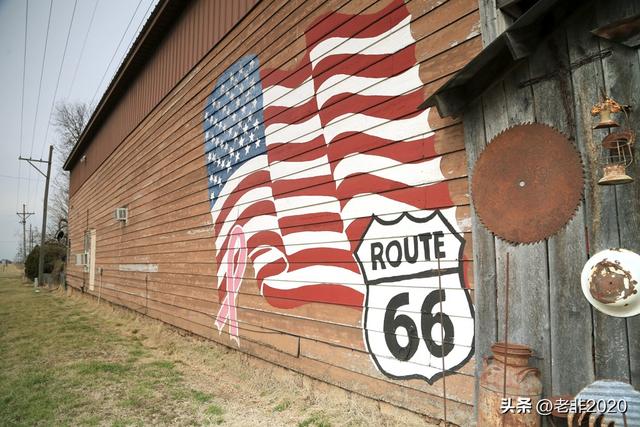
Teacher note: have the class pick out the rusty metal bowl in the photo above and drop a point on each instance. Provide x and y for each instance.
(610, 282)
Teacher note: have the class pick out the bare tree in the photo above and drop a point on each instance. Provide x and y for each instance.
(69, 121)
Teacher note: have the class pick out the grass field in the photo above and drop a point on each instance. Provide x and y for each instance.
(71, 361)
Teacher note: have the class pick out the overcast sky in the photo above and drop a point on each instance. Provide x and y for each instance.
(114, 22)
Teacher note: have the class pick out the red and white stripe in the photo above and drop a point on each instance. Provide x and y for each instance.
(344, 141)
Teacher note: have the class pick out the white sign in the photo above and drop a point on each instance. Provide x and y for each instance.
(415, 295)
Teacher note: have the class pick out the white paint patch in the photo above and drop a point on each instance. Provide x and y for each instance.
(144, 268)
(475, 31)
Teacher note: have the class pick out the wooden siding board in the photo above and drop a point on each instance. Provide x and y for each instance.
(158, 172)
(358, 361)
(575, 344)
(376, 388)
(610, 334)
(484, 271)
(312, 348)
(158, 150)
(129, 114)
(418, 402)
(191, 204)
(528, 281)
(493, 22)
(151, 160)
(570, 370)
(622, 80)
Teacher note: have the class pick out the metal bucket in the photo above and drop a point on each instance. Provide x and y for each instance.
(522, 385)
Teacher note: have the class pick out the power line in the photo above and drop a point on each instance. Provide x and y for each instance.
(44, 55)
(115, 52)
(84, 43)
(133, 39)
(14, 177)
(35, 120)
(24, 67)
(55, 92)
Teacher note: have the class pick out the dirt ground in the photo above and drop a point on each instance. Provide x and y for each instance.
(69, 360)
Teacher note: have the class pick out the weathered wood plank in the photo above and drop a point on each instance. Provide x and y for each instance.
(528, 267)
(610, 334)
(457, 385)
(571, 361)
(622, 79)
(492, 21)
(483, 248)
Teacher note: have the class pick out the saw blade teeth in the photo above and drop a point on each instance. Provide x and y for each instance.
(516, 177)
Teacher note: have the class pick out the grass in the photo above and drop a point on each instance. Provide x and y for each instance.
(60, 365)
(316, 420)
(282, 405)
(69, 361)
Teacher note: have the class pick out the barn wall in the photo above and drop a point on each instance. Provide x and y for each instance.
(200, 26)
(168, 260)
(573, 343)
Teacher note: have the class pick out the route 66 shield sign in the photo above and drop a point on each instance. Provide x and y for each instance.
(418, 315)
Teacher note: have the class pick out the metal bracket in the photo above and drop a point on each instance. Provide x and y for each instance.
(30, 160)
(566, 70)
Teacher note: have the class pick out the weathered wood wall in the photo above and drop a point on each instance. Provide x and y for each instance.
(162, 262)
(573, 343)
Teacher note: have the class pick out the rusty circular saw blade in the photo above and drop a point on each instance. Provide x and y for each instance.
(528, 183)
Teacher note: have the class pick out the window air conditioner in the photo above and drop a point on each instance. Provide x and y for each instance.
(121, 214)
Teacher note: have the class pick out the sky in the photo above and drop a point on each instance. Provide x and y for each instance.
(73, 61)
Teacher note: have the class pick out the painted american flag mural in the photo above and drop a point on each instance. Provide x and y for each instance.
(302, 162)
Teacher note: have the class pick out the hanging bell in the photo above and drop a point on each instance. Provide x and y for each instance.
(605, 120)
(614, 174)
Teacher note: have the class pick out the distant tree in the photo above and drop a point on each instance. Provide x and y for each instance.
(54, 255)
(69, 121)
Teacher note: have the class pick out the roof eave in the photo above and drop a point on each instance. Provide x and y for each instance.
(497, 59)
(143, 47)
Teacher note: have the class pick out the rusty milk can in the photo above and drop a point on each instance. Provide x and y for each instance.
(522, 381)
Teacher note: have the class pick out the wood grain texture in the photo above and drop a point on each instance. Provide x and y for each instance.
(610, 334)
(492, 21)
(622, 80)
(484, 270)
(570, 370)
(528, 280)
(158, 172)
(573, 343)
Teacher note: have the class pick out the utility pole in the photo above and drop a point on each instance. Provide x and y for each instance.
(24, 215)
(44, 209)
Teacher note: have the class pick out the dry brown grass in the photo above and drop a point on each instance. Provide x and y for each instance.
(105, 365)
(251, 392)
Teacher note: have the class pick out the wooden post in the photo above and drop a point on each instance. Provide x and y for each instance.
(44, 218)
(44, 210)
